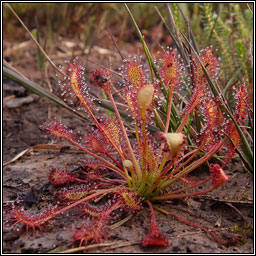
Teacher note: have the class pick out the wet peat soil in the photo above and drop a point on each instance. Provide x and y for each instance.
(228, 210)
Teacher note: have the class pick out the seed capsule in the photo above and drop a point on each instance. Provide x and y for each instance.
(174, 141)
(145, 96)
(127, 164)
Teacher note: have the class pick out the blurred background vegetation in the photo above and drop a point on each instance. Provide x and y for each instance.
(226, 26)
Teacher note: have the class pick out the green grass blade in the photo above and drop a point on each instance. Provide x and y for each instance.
(189, 29)
(147, 52)
(174, 38)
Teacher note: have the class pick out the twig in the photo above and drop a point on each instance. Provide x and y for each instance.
(175, 40)
(83, 248)
(249, 202)
(114, 41)
(33, 38)
(17, 156)
(236, 210)
(121, 222)
(189, 29)
(123, 245)
(200, 231)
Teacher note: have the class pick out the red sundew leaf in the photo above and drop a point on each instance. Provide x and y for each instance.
(32, 220)
(57, 130)
(102, 140)
(89, 233)
(154, 239)
(74, 84)
(111, 131)
(131, 201)
(60, 177)
(95, 231)
(171, 68)
(134, 73)
(211, 63)
(231, 152)
(233, 144)
(147, 152)
(233, 135)
(75, 193)
(209, 60)
(97, 143)
(92, 210)
(218, 176)
(188, 180)
(212, 114)
(241, 96)
(212, 123)
(95, 165)
(250, 90)
(93, 176)
(194, 101)
(131, 98)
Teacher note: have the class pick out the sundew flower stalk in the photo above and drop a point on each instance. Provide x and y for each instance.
(132, 169)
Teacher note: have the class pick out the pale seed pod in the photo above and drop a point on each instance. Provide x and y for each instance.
(175, 142)
(127, 164)
(145, 96)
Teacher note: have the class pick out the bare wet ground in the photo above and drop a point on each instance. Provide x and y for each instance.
(228, 210)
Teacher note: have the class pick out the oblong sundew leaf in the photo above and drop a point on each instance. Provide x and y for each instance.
(37, 89)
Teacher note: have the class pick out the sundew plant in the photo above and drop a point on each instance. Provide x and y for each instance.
(144, 166)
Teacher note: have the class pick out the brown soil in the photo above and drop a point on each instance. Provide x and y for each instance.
(228, 210)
